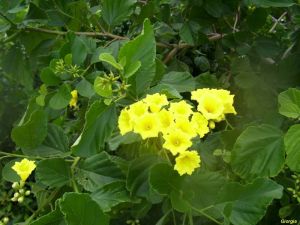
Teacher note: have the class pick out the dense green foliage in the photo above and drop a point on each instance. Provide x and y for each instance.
(115, 52)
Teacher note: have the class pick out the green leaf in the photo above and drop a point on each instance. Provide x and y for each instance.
(138, 175)
(85, 88)
(55, 144)
(31, 133)
(108, 58)
(53, 172)
(49, 77)
(132, 69)
(115, 12)
(62, 98)
(246, 205)
(111, 195)
(99, 125)
(8, 173)
(36, 14)
(54, 217)
(80, 209)
(143, 49)
(163, 178)
(214, 7)
(292, 144)
(97, 171)
(289, 103)
(181, 81)
(258, 152)
(270, 3)
(79, 51)
(103, 87)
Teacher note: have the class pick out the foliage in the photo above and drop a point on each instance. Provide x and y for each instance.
(71, 72)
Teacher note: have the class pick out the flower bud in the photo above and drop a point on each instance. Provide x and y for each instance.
(5, 220)
(27, 192)
(16, 195)
(14, 199)
(21, 199)
(15, 185)
(21, 191)
(212, 124)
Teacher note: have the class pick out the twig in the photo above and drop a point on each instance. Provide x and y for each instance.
(276, 22)
(237, 16)
(171, 54)
(289, 49)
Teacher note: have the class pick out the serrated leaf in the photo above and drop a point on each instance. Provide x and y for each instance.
(80, 209)
(258, 152)
(289, 103)
(108, 58)
(99, 125)
(111, 195)
(292, 144)
(143, 49)
(53, 172)
(33, 132)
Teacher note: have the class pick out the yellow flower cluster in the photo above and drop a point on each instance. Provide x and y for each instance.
(24, 168)
(74, 99)
(177, 122)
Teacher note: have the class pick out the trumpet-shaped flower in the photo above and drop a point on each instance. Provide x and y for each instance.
(180, 109)
(166, 120)
(24, 168)
(147, 126)
(74, 99)
(176, 141)
(187, 162)
(124, 122)
(211, 106)
(185, 126)
(156, 101)
(227, 100)
(200, 124)
(138, 109)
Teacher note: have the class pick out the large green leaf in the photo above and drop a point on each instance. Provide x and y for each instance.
(289, 103)
(270, 3)
(97, 171)
(53, 172)
(111, 195)
(115, 12)
(80, 209)
(292, 144)
(55, 144)
(180, 81)
(100, 122)
(138, 175)
(8, 173)
(54, 217)
(32, 132)
(246, 205)
(79, 50)
(258, 152)
(62, 98)
(143, 49)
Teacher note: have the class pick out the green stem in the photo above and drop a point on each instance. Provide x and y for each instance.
(73, 166)
(191, 221)
(174, 218)
(183, 220)
(51, 197)
(7, 154)
(228, 125)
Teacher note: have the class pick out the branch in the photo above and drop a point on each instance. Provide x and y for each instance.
(276, 22)
(90, 34)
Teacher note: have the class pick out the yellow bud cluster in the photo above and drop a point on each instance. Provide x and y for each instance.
(177, 122)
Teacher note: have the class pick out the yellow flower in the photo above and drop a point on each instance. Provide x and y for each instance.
(156, 101)
(176, 141)
(181, 109)
(74, 99)
(200, 124)
(211, 106)
(199, 93)
(227, 100)
(166, 120)
(185, 126)
(124, 122)
(24, 168)
(137, 109)
(147, 126)
(187, 162)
